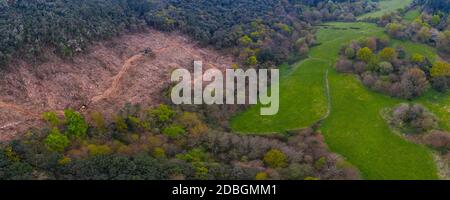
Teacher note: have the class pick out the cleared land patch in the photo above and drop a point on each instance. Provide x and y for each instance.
(111, 74)
(387, 6)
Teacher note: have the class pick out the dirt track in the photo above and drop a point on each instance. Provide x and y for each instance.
(111, 74)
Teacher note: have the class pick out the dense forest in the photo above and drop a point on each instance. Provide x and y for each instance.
(163, 143)
(436, 5)
(259, 31)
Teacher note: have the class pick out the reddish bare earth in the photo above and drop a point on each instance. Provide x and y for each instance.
(111, 74)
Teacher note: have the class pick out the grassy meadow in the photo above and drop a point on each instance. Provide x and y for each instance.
(355, 127)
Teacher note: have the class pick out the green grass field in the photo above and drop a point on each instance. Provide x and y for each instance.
(355, 128)
(387, 6)
(301, 91)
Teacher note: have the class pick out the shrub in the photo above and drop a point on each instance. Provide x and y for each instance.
(275, 159)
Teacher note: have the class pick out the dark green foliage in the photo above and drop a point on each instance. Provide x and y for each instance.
(13, 170)
(26, 27)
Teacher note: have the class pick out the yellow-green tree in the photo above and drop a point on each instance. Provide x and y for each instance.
(76, 125)
(388, 54)
(55, 141)
(365, 54)
(275, 159)
(440, 69)
(417, 58)
(261, 176)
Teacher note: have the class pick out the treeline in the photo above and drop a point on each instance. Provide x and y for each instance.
(431, 29)
(391, 70)
(29, 27)
(260, 32)
(163, 143)
(436, 5)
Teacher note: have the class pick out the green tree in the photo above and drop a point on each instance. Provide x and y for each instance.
(365, 54)
(75, 123)
(162, 114)
(435, 20)
(174, 131)
(96, 150)
(275, 159)
(56, 141)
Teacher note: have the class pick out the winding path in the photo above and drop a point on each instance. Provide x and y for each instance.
(36, 115)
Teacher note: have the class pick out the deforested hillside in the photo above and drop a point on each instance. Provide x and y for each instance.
(113, 73)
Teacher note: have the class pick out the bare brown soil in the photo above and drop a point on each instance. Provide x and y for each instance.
(112, 74)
